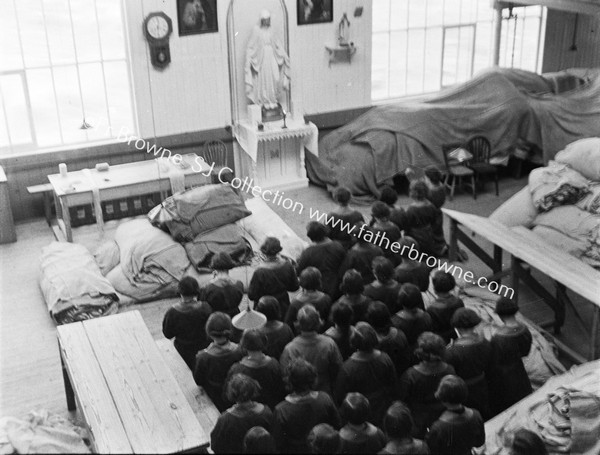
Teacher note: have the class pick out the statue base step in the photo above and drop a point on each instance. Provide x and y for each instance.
(272, 115)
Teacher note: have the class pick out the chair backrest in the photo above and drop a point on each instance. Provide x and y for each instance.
(215, 152)
(480, 148)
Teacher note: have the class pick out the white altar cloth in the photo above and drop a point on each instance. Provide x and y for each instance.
(249, 137)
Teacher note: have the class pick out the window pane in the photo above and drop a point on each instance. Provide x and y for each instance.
(86, 30)
(433, 62)
(484, 11)
(397, 64)
(468, 10)
(531, 29)
(43, 106)
(435, 12)
(13, 96)
(451, 12)
(399, 14)
(11, 49)
(381, 15)
(4, 140)
(483, 46)
(111, 29)
(450, 55)
(119, 97)
(33, 34)
(465, 53)
(379, 66)
(416, 48)
(416, 13)
(69, 104)
(60, 33)
(414, 63)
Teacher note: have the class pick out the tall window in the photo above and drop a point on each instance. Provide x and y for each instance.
(421, 46)
(64, 76)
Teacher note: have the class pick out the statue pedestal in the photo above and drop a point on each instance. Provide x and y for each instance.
(274, 157)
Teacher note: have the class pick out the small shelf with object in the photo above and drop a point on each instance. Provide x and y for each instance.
(340, 52)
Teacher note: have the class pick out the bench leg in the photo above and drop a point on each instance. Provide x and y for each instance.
(498, 262)
(48, 207)
(69, 392)
(453, 247)
(594, 334)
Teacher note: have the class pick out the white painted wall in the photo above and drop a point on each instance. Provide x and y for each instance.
(193, 94)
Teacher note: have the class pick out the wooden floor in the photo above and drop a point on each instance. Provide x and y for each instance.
(30, 374)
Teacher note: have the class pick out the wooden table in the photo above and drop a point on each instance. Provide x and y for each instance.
(90, 186)
(128, 396)
(524, 246)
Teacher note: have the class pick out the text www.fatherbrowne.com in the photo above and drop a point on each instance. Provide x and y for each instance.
(277, 198)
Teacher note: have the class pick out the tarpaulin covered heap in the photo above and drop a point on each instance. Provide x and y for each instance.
(504, 105)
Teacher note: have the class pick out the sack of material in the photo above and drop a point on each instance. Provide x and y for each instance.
(591, 201)
(555, 185)
(225, 239)
(149, 255)
(583, 156)
(72, 284)
(516, 211)
(107, 256)
(199, 210)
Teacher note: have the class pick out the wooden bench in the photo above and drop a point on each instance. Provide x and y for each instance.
(524, 246)
(46, 191)
(127, 393)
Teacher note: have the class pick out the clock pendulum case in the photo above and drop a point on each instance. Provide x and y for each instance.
(157, 28)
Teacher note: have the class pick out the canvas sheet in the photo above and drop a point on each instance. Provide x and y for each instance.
(504, 105)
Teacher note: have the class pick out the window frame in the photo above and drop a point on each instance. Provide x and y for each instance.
(33, 147)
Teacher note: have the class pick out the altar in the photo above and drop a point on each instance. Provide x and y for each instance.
(268, 124)
(274, 156)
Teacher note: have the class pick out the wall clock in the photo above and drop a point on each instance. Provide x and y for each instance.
(157, 28)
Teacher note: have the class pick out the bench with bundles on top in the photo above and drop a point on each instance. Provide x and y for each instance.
(525, 247)
(129, 395)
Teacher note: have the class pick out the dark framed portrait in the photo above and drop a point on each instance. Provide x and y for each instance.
(314, 11)
(197, 16)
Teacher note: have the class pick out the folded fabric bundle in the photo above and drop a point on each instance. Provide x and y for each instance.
(583, 156)
(198, 210)
(566, 418)
(516, 211)
(72, 284)
(107, 256)
(41, 432)
(591, 201)
(577, 224)
(226, 239)
(555, 185)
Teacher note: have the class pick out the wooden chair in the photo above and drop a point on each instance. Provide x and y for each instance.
(457, 170)
(480, 148)
(215, 152)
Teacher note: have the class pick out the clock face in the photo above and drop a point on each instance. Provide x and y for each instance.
(157, 27)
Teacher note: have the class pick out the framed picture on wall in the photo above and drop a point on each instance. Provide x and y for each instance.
(314, 11)
(197, 16)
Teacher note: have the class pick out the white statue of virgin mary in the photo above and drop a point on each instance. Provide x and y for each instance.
(267, 68)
